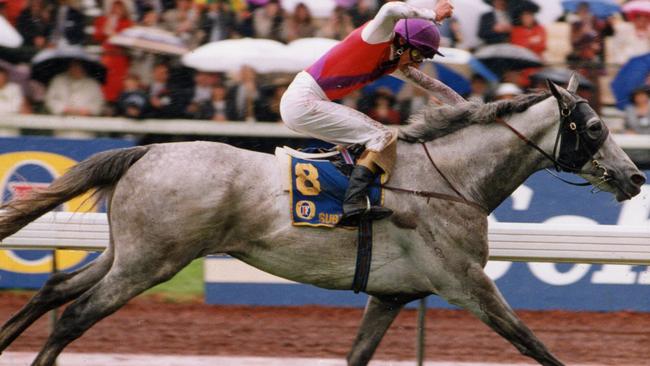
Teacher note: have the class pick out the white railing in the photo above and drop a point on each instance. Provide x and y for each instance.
(615, 244)
(12, 123)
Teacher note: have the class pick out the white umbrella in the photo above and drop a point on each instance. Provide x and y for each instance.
(150, 39)
(304, 52)
(8, 36)
(317, 8)
(263, 55)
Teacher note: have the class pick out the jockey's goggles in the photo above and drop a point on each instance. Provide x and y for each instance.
(416, 55)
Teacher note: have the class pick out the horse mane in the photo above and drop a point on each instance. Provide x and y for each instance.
(435, 121)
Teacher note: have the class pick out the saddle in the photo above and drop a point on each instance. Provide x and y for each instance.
(317, 183)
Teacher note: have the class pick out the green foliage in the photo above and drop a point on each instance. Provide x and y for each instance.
(187, 285)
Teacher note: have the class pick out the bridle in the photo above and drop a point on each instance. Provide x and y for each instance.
(576, 143)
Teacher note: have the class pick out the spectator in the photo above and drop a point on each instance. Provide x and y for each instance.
(74, 93)
(217, 108)
(637, 114)
(300, 24)
(69, 24)
(528, 33)
(113, 57)
(35, 24)
(182, 21)
(159, 92)
(11, 95)
(383, 109)
(244, 94)
(495, 26)
(218, 22)
(244, 22)
(268, 21)
(631, 39)
(589, 32)
(132, 101)
(267, 107)
(362, 11)
(204, 82)
(166, 101)
(338, 26)
(143, 6)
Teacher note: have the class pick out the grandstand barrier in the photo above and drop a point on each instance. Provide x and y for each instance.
(10, 124)
(611, 244)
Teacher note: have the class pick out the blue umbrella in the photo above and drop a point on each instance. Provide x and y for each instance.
(600, 8)
(631, 76)
(446, 75)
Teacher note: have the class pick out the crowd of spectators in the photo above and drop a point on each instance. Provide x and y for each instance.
(140, 84)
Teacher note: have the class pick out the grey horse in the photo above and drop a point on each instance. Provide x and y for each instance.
(231, 201)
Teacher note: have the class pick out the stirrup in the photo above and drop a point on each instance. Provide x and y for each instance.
(370, 212)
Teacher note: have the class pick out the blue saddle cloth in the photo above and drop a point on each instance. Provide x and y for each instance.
(317, 192)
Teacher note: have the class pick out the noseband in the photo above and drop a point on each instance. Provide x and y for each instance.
(575, 143)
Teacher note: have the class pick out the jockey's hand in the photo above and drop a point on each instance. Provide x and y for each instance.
(443, 10)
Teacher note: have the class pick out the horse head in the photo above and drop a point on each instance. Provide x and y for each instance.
(584, 146)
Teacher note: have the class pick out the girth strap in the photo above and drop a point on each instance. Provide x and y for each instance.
(364, 255)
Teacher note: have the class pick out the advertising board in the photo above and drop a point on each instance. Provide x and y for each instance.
(30, 162)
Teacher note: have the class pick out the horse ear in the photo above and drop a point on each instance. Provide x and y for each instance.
(559, 93)
(573, 83)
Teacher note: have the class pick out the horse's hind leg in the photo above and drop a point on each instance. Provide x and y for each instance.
(377, 318)
(479, 295)
(58, 290)
(129, 276)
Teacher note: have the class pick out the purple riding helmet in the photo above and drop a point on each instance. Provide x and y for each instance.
(421, 34)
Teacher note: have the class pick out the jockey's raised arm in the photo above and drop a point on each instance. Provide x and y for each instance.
(381, 27)
(439, 89)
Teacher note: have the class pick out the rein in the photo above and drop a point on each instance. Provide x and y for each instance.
(428, 194)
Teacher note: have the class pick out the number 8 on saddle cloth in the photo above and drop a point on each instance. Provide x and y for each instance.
(317, 191)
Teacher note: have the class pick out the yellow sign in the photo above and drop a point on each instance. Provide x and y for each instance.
(56, 165)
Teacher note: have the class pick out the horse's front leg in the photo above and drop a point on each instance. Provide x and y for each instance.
(377, 318)
(478, 294)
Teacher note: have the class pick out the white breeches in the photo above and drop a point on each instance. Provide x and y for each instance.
(306, 109)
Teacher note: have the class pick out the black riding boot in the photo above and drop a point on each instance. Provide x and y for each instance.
(356, 201)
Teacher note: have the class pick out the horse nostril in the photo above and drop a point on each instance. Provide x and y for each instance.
(638, 179)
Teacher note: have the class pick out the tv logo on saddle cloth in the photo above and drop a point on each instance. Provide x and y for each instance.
(317, 192)
(34, 162)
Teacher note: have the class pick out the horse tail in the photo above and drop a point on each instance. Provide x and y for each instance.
(101, 171)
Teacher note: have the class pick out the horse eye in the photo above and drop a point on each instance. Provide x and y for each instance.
(595, 127)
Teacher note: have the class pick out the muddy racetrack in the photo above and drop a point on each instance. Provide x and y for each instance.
(153, 325)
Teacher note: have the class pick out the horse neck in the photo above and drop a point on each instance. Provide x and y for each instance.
(486, 163)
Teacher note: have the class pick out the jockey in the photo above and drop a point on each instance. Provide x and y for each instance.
(394, 42)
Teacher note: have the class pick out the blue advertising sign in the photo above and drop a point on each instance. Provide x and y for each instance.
(29, 162)
(542, 199)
